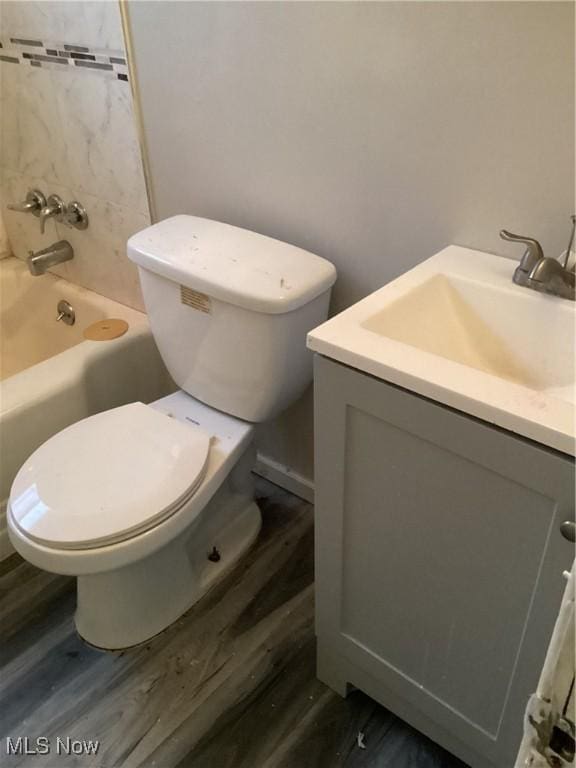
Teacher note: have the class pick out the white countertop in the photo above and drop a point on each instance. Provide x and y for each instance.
(457, 330)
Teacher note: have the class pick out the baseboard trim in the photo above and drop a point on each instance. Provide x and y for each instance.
(281, 475)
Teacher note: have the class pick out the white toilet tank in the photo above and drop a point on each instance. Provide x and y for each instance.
(230, 310)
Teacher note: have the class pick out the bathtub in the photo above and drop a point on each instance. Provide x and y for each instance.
(52, 376)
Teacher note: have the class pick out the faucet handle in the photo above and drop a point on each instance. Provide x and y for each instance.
(76, 216)
(33, 203)
(54, 209)
(533, 253)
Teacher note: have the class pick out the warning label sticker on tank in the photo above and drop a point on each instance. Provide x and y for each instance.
(195, 299)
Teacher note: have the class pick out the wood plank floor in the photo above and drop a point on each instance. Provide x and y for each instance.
(230, 685)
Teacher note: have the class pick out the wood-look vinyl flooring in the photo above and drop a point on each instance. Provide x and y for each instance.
(231, 685)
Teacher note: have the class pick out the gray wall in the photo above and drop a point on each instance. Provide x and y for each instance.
(371, 133)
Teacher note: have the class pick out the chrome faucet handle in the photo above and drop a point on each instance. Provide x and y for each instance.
(533, 253)
(76, 215)
(54, 209)
(33, 203)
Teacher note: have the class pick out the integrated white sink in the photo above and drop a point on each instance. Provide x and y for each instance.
(456, 329)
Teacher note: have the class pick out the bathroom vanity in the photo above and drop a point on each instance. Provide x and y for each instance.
(441, 518)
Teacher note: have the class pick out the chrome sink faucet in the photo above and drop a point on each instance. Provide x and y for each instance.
(541, 273)
(532, 256)
(57, 253)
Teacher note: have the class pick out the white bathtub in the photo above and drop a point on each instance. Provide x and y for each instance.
(52, 376)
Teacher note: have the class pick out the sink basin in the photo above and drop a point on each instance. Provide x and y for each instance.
(457, 330)
(484, 327)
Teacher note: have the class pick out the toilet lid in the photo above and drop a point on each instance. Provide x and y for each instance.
(108, 477)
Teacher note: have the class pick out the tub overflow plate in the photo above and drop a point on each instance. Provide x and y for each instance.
(66, 313)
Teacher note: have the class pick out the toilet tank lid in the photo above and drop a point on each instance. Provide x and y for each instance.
(232, 264)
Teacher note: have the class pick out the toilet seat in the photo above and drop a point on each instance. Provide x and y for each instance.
(108, 478)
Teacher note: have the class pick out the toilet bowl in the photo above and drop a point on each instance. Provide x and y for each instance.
(138, 573)
(149, 505)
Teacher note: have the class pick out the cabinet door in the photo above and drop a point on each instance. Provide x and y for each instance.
(439, 558)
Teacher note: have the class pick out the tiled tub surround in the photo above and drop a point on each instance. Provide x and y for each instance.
(87, 22)
(100, 261)
(53, 377)
(68, 128)
(53, 55)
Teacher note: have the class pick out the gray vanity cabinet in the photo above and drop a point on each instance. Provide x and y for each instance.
(439, 560)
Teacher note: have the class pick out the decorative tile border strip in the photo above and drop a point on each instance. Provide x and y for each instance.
(105, 62)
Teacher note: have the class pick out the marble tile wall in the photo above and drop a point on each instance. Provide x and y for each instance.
(67, 127)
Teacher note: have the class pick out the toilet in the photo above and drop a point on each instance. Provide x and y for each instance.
(149, 505)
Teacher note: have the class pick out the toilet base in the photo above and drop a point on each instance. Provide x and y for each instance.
(125, 607)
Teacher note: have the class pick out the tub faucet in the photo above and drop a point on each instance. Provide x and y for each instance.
(42, 260)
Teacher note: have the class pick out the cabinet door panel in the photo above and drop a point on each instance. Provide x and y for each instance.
(445, 536)
(439, 539)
